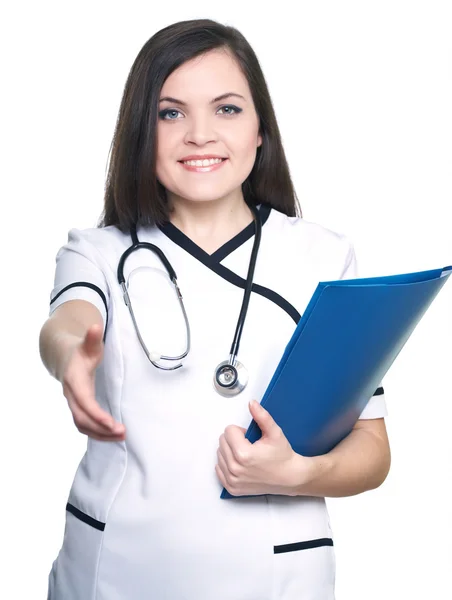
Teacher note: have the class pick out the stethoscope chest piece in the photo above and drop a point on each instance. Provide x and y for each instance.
(230, 376)
(229, 380)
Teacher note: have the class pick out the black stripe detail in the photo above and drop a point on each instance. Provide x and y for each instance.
(259, 289)
(241, 238)
(84, 517)
(212, 261)
(179, 238)
(91, 286)
(379, 391)
(303, 545)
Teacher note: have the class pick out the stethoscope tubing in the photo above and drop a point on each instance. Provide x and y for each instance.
(232, 362)
(172, 275)
(249, 285)
(136, 246)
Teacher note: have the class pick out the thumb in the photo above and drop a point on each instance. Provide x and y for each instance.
(263, 418)
(92, 343)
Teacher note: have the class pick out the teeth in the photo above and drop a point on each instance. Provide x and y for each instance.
(202, 163)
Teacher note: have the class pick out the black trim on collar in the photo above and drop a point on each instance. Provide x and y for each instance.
(212, 261)
(91, 286)
(235, 279)
(179, 238)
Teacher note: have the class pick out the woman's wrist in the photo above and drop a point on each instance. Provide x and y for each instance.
(307, 471)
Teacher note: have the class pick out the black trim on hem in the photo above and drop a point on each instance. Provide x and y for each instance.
(91, 286)
(379, 391)
(84, 517)
(302, 545)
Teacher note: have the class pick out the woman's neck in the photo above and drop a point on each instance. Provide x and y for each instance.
(210, 224)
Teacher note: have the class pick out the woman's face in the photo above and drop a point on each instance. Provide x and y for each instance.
(206, 110)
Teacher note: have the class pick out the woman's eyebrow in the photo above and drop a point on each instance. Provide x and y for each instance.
(217, 99)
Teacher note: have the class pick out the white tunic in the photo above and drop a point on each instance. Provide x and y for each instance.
(144, 518)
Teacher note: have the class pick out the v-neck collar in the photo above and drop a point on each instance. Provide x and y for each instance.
(179, 238)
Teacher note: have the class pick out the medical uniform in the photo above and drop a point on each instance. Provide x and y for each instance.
(144, 518)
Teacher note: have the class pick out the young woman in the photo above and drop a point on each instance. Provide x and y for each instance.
(197, 169)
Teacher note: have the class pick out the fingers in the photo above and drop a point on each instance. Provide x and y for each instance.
(81, 391)
(265, 421)
(225, 450)
(232, 457)
(97, 429)
(223, 472)
(239, 447)
(79, 386)
(222, 479)
(103, 438)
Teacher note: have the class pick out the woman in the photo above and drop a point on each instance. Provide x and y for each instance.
(197, 169)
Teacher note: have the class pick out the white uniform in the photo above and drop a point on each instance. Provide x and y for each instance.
(144, 518)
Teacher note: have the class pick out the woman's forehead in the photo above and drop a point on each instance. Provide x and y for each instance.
(206, 77)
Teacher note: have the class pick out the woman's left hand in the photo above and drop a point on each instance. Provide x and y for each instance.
(269, 466)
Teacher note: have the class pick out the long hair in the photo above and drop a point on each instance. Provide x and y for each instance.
(133, 193)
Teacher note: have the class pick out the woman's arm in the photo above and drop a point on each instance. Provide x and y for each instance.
(270, 466)
(360, 462)
(72, 348)
(63, 330)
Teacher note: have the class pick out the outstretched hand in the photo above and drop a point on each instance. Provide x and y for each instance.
(269, 466)
(79, 389)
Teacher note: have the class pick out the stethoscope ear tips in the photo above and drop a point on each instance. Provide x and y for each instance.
(229, 380)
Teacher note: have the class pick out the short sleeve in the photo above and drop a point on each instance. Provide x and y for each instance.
(350, 270)
(78, 276)
(376, 406)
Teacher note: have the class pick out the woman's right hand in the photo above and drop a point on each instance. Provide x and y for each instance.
(79, 389)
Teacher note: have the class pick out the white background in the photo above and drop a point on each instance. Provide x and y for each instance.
(363, 95)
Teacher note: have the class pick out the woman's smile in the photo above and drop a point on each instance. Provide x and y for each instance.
(203, 166)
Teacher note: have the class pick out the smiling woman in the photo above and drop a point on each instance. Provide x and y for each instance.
(194, 83)
(198, 183)
(227, 134)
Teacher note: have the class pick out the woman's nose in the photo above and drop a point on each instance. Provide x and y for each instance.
(200, 130)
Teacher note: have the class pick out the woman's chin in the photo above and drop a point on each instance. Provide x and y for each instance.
(203, 195)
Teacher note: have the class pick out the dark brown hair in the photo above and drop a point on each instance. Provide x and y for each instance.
(133, 193)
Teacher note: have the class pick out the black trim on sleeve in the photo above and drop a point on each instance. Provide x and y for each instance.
(84, 517)
(379, 392)
(91, 286)
(303, 545)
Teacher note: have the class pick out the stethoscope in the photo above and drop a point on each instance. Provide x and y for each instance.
(230, 376)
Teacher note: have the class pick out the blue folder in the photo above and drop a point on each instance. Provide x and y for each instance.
(347, 339)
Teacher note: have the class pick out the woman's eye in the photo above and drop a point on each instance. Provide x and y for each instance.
(230, 109)
(168, 114)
